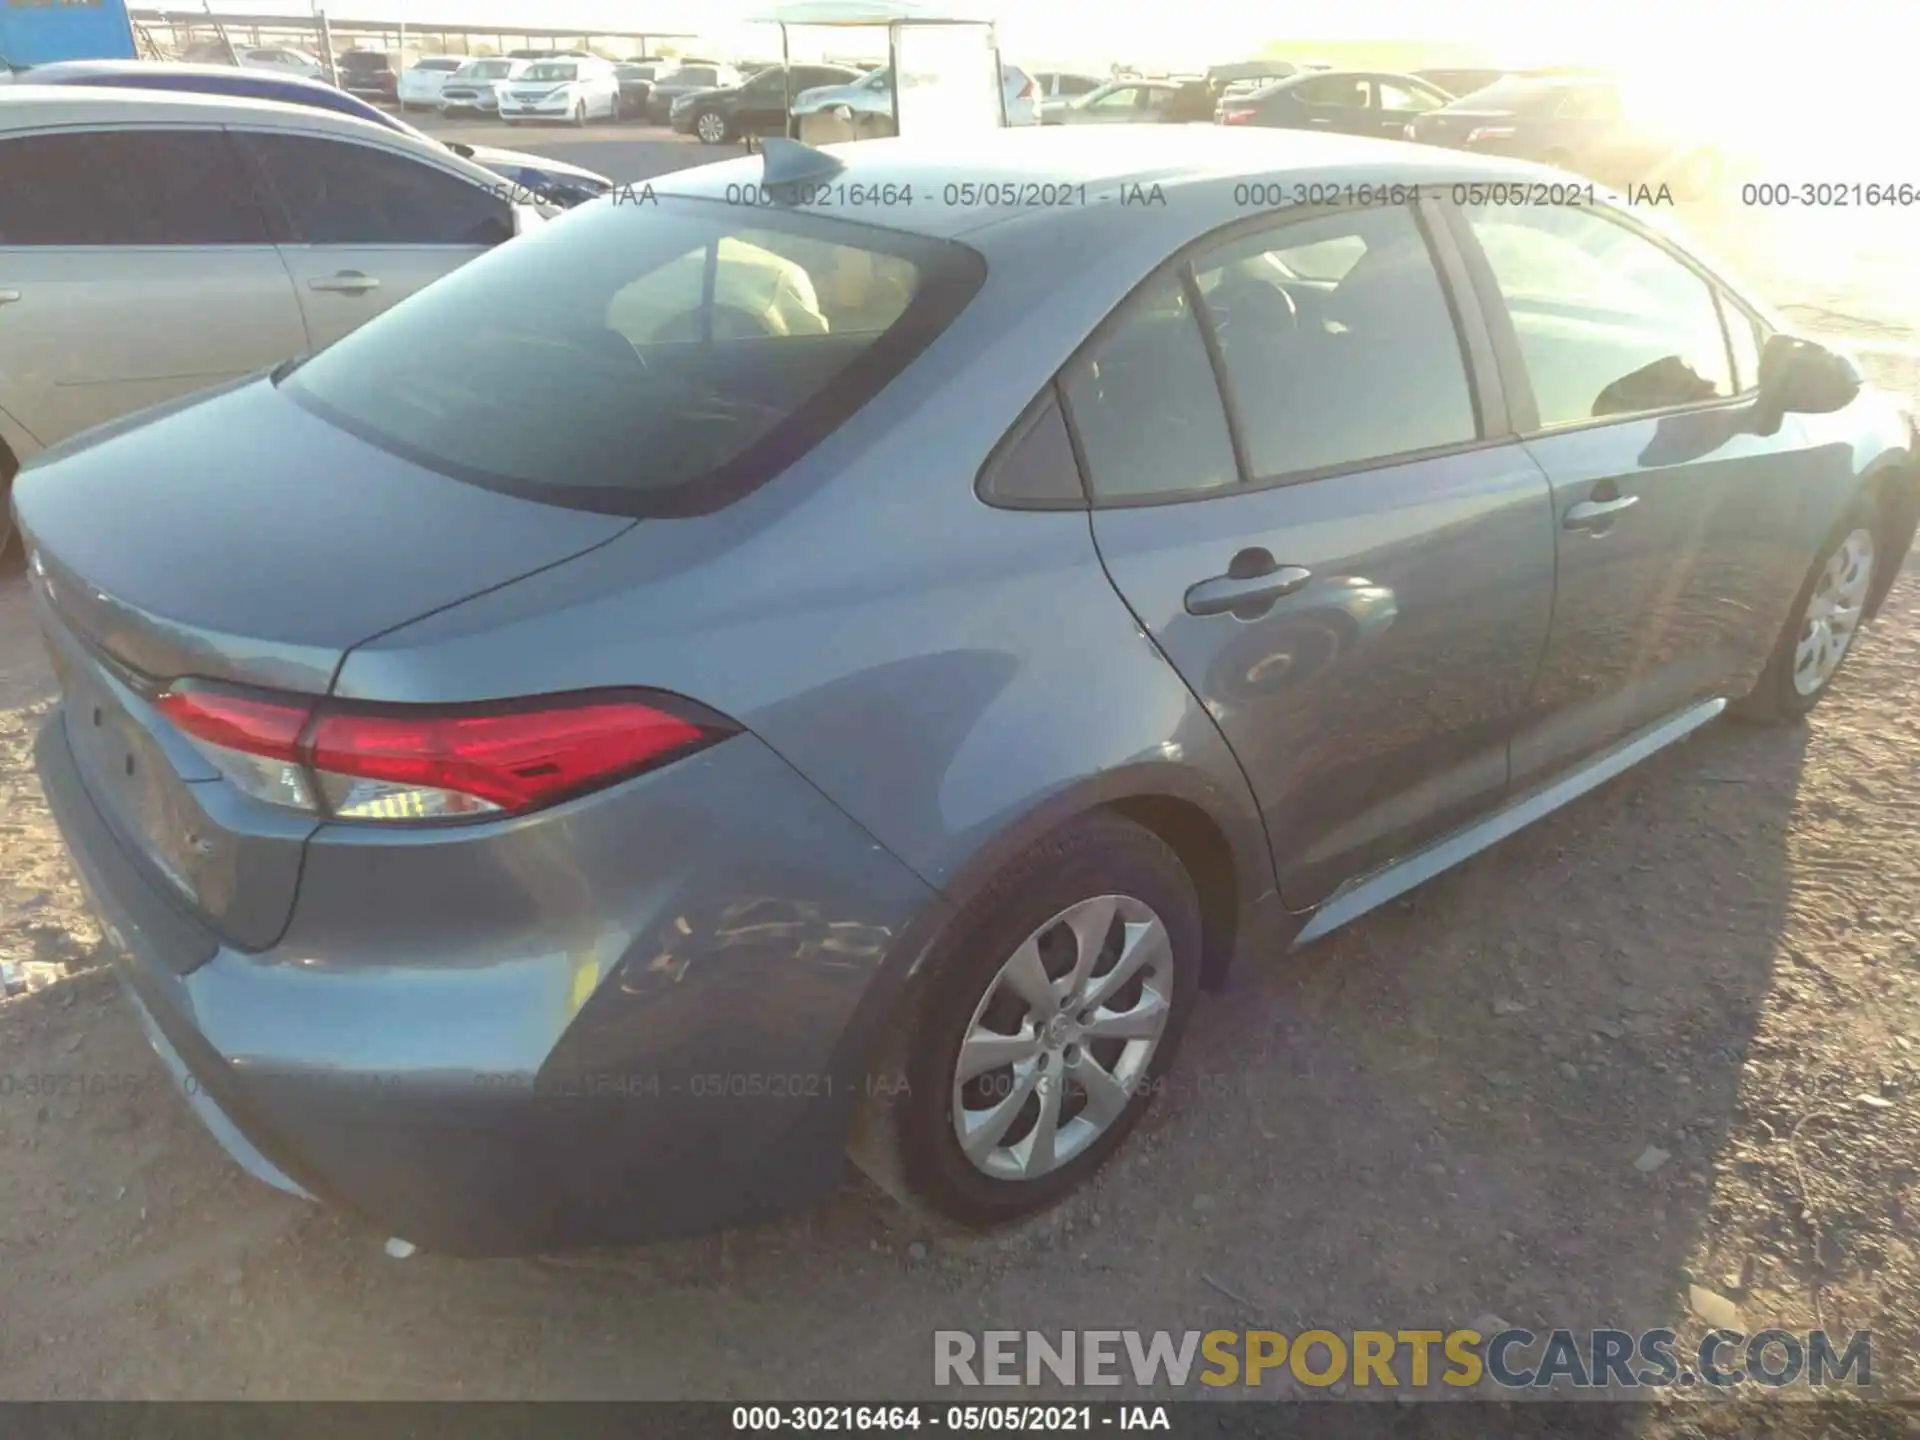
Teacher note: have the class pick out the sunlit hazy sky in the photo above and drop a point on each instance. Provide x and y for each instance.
(1639, 33)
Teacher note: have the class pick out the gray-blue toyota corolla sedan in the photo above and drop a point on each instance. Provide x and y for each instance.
(833, 656)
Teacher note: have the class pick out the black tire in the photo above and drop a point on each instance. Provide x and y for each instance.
(1099, 854)
(1775, 697)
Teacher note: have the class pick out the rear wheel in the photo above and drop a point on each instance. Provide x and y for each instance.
(1041, 1025)
(1825, 621)
(711, 127)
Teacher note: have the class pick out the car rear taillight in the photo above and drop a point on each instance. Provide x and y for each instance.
(1235, 117)
(1489, 132)
(1026, 91)
(412, 763)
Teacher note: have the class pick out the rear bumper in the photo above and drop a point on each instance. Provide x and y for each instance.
(583, 1065)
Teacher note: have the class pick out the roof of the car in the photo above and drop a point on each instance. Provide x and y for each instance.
(1083, 169)
(34, 107)
(158, 67)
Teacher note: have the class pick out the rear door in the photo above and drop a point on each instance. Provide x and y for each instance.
(1676, 526)
(363, 226)
(1340, 547)
(135, 266)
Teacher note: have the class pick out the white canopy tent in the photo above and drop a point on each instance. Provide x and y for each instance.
(915, 31)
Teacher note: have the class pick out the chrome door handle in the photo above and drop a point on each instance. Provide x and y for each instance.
(348, 282)
(7, 297)
(1593, 514)
(1227, 593)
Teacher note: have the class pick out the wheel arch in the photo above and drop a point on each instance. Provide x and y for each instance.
(1223, 851)
(1225, 855)
(1894, 487)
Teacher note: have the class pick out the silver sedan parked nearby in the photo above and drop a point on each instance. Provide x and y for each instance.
(847, 674)
(154, 243)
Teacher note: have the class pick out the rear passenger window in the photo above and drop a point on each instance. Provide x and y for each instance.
(125, 187)
(339, 193)
(1146, 406)
(1339, 345)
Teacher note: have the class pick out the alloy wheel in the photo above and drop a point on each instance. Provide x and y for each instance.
(1833, 612)
(711, 127)
(1060, 1042)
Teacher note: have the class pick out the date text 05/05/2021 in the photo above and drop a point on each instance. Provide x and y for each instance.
(1252, 194)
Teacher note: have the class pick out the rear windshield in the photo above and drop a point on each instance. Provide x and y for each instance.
(364, 60)
(1518, 93)
(487, 69)
(439, 64)
(643, 359)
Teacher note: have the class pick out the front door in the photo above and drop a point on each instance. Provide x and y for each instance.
(134, 268)
(1336, 548)
(363, 227)
(761, 106)
(1677, 554)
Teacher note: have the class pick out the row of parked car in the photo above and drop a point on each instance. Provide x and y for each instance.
(1578, 120)
(715, 102)
(553, 182)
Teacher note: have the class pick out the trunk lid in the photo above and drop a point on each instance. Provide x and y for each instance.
(240, 538)
(1449, 126)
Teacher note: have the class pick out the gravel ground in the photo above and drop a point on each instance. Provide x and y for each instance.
(1432, 1117)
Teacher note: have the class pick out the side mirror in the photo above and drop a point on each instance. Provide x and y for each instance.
(1802, 377)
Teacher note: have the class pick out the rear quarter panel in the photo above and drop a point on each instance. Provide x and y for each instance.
(957, 678)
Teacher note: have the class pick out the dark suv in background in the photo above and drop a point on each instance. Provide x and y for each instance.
(374, 74)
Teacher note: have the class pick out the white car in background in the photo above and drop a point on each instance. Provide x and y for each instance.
(421, 82)
(476, 85)
(285, 60)
(579, 89)
(138, 266)
(1056, 88)
(872, 94)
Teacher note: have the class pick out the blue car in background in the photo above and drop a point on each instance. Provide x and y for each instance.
(34, 34)
(548, 181)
